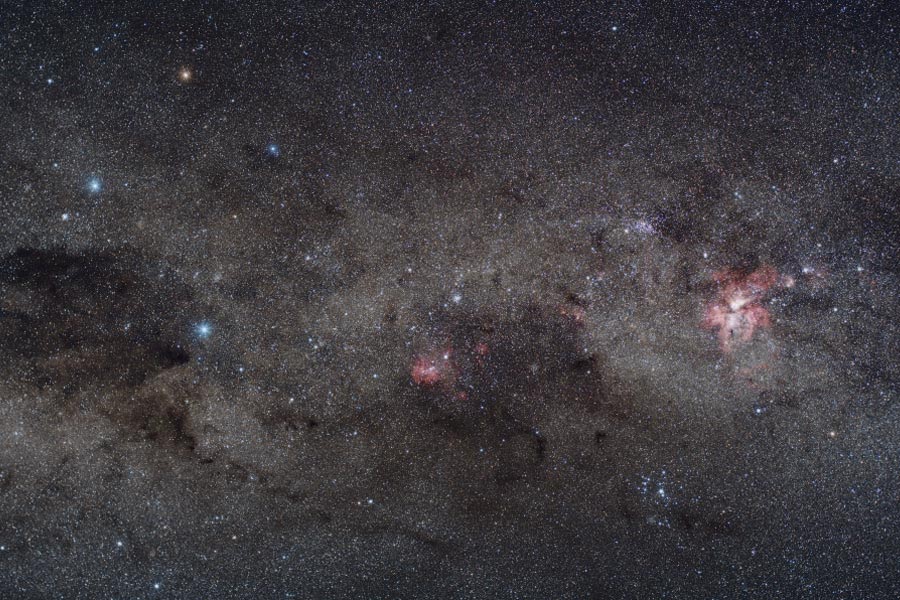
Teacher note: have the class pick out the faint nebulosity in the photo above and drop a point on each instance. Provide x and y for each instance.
(521, 300)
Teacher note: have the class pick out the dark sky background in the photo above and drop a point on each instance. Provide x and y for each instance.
(508, 300)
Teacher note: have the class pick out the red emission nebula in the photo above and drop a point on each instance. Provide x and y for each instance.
(737, 310)
(433, 368)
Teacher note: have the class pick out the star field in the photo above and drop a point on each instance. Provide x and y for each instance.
(496, 300)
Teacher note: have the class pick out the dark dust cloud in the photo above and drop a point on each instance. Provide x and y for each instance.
(514, 300)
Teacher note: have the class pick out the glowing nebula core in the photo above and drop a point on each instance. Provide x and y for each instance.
(737, 310)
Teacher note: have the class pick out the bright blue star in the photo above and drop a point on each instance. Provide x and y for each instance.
(273, 150)
(203, 330)
(94, 184)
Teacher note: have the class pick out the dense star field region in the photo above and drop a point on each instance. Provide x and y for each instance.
(426, 300)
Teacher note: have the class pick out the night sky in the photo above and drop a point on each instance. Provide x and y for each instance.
(426, 300)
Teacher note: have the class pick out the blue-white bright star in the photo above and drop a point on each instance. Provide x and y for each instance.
(203, 330)
(273, 150)
(94, 184)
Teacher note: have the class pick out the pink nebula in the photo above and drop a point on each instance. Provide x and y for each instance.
(737, 310)
(433, 368)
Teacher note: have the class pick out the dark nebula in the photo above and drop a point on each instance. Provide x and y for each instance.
(68, 317)
(502, 300)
